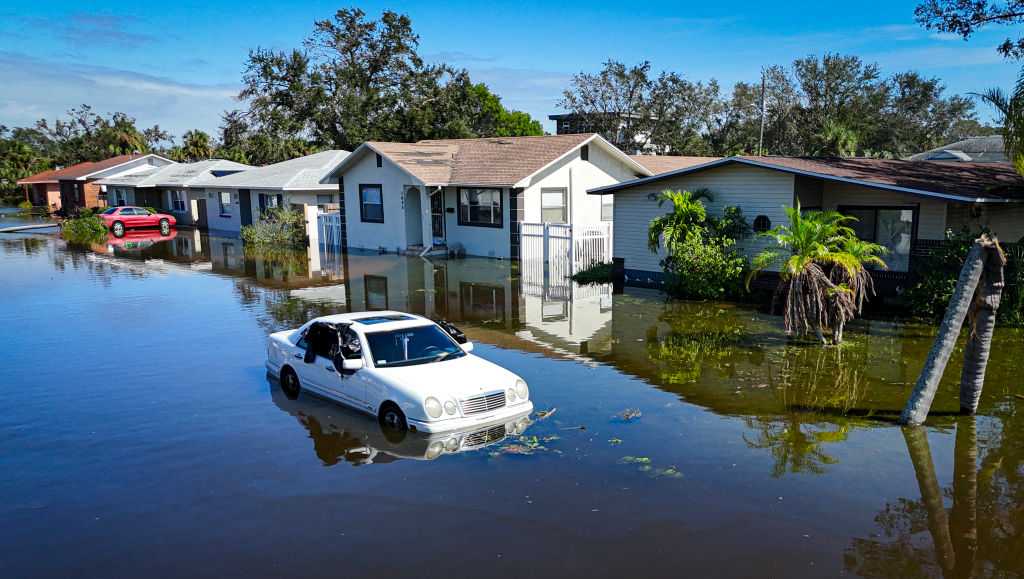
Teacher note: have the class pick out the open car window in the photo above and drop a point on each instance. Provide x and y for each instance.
(411, 346)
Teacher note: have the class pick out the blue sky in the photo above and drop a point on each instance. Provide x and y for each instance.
(180, 63)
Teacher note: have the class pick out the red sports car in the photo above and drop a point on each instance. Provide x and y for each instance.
(120, 219)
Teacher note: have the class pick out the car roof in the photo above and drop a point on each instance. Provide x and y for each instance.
(377, 321)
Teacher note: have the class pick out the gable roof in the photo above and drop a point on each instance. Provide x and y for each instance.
(959, 182)
(492, 161)
(311, 172)
(987, 149)
(85, 169)
(176, 174)
(657, 164)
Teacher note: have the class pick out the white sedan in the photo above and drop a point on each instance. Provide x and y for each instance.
(404, 369)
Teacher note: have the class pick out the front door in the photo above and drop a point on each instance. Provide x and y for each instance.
(437, 214)
(245, 206)
(201, 219)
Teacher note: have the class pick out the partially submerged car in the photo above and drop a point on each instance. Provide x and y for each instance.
(408, 371)
(122, 218)
(340, 434)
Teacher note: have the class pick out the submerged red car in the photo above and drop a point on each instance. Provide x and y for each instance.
(120, 219)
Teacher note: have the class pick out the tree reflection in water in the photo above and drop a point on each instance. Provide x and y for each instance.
(698, 338)
(981, 535)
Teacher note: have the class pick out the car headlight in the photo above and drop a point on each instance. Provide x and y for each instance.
(522, 390)
(434, 450)
(433, 407)
(450, 407)
(510, 394)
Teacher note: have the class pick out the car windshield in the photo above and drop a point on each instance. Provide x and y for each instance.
(411, 346)
(110, 211)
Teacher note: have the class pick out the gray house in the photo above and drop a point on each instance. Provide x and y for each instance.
(903, 205)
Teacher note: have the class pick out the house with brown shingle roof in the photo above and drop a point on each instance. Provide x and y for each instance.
(903, 205)
(76, 186)
(475, 193)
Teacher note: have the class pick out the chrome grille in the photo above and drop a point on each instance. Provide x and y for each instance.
(483, 403)
(485, 436)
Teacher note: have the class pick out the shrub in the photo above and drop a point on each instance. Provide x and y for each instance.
(595, 274)
(279, 226)
(25, 204)
(936, 274)
(84, 229)
(701, 260)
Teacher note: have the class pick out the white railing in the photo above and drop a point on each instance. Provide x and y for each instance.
(552, 252)
(329, 226)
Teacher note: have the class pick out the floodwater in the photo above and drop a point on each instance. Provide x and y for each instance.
(141, 436)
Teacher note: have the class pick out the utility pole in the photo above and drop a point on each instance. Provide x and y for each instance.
(760, 139)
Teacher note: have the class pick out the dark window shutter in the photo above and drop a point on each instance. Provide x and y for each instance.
(585, 152)
(380, 160)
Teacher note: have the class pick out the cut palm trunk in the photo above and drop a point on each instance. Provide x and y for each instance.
(983, 315)
(920, 402)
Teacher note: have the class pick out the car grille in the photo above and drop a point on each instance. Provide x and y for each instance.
(483, 403)
(485, 436)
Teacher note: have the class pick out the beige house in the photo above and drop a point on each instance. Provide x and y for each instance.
(904, 205)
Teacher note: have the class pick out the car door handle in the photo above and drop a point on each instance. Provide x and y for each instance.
(329, 368)
(299, 356)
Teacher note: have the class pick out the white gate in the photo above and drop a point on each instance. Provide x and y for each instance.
(563, 249)
(329, 224)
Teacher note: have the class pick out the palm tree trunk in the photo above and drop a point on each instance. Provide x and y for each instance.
(990, 290)
(931, 496)
(964, 518)
(920, 402)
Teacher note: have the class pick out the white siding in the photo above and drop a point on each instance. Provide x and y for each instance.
(577, 176)
(1005, 221)
(389, 235)
(231, 223)
(756, 191)
(931, 212)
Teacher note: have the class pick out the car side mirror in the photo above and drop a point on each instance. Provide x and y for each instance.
(352, 365)
(467, 347)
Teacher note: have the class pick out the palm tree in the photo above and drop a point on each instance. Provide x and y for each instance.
(688, 215)
(195, 146)
(816, 244)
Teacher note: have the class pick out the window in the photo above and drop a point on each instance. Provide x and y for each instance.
(412, 346)
(380, 160)
(553, 206)
(480, 207)
(890, 227)
(376, 292)
(225, 203)
(607, 207)
(762, 224)
(371, 203)
(585, 153)
(120, 197)
(177, 201)
(269, 201)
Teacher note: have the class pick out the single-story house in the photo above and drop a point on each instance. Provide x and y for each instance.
(903, 205)
(239, 199)
(170, 188)
(475, 193)
(77, 186)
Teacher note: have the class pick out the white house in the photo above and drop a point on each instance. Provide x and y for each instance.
(239, 199)
(172, 188)
(903, 205)
(475, 193)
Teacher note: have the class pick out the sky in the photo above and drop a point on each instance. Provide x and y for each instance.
(179, 64)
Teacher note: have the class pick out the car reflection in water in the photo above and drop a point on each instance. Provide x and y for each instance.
(137, 240)
(340, 434)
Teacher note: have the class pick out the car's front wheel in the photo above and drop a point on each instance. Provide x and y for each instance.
(165, 226)
(118, 229)
(290, 383)
(391, 417)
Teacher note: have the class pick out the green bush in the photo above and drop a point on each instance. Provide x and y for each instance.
(595, 274)
(279, 226)
(25, 204)
(701, 261)
(83, 229)
(936, 274)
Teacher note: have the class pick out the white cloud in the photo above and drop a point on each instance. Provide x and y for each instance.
(36, 88)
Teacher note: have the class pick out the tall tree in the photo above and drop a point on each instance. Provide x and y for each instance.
(195, 146)
(966, 17)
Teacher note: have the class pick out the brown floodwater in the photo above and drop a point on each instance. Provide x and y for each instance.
(141, 436)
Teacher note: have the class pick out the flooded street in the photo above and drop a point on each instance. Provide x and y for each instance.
(141, 436)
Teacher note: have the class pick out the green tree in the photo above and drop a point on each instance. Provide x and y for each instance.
(813, 245)
(195, 146)
(965, 18)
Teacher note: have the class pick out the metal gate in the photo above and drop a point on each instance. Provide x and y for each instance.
(559, 250)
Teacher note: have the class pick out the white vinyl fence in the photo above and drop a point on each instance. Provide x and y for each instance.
(557, 251)
(329, 224)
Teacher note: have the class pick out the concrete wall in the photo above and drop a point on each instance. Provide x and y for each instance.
(757, 191)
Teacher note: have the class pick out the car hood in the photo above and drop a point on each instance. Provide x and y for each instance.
(460, 378)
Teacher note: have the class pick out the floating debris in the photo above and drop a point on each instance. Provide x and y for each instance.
(629, 414)
(635, 460)
(614, 441)
(668, 472)
(542, 414)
